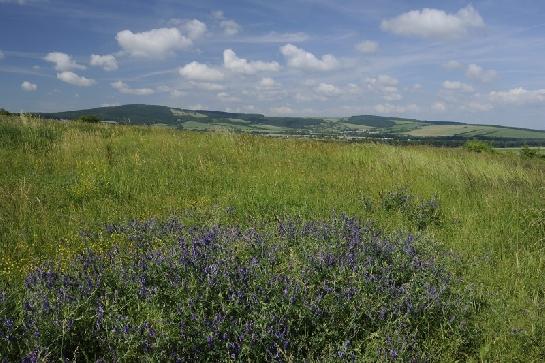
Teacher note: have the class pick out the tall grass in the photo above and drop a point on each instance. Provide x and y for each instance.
(57, 179)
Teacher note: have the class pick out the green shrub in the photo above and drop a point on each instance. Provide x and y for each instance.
(478, 146)
(89, 118)
(526, 152)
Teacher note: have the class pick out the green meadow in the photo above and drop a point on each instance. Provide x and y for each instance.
(60, 178)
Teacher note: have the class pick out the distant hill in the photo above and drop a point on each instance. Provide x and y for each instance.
(353, 127)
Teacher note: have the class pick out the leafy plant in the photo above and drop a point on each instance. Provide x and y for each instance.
(89, 119)
(478, 146)
(318, 290)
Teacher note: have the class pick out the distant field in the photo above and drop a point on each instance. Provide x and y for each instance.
(474, 131)
(516, 150)
(485, 211)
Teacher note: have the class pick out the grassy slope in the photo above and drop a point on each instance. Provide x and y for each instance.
(56, 179)
(474, 131)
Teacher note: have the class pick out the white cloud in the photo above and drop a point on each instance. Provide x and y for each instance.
(156, 43)
(328, 90)
(434, 23)
(299, 58)
(439, 107)
(240, 65)
(452, 65)
(194, 28)
(107, 62)
(386, 85)
(2, 56)
(518, 96)
(457, 86)
(267, 83)
(28, 86)
(395, 109)
(230, 27)
(174, 92)
(73, 79)
(207, 86)
(200, 72)
(476, 72)
(478, 107)
(367, 47)
(226, 97)
(274, 37)
(63, 62)
(281, 110)
(122, 87)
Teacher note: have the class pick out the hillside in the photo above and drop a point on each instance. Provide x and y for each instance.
(354, 127)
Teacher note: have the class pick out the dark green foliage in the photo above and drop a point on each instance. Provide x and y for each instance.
(4, 112)
(288, 291)
(89, 119)
(526, 152)
(478, 146)
(373, 121)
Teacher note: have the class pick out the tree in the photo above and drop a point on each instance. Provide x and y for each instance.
(4, 112)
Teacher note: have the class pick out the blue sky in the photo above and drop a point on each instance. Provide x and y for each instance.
(482, 61)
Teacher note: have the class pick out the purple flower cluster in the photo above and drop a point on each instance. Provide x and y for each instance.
(333, 290)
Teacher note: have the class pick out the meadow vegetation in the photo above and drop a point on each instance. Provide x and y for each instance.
(137, 235)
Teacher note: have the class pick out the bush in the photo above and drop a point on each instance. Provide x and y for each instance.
(4, 112)
(89, 119)
(528, 153)
(478, 146)
(333, 290)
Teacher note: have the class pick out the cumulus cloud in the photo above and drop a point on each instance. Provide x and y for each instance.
(2, 56)
(200, 72)
(230, 27)
(477, 73)
(386, 85)
(267, 83)
(156, 43)
(518, 96)
(300, 58)
(106, 62)
(28, 86)
(62, 61)
(122, 87)
(74, 79)
(328, 90)
(434, 23)
(367, 47)
(240, 65)
(457, 86)
(195, 28)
